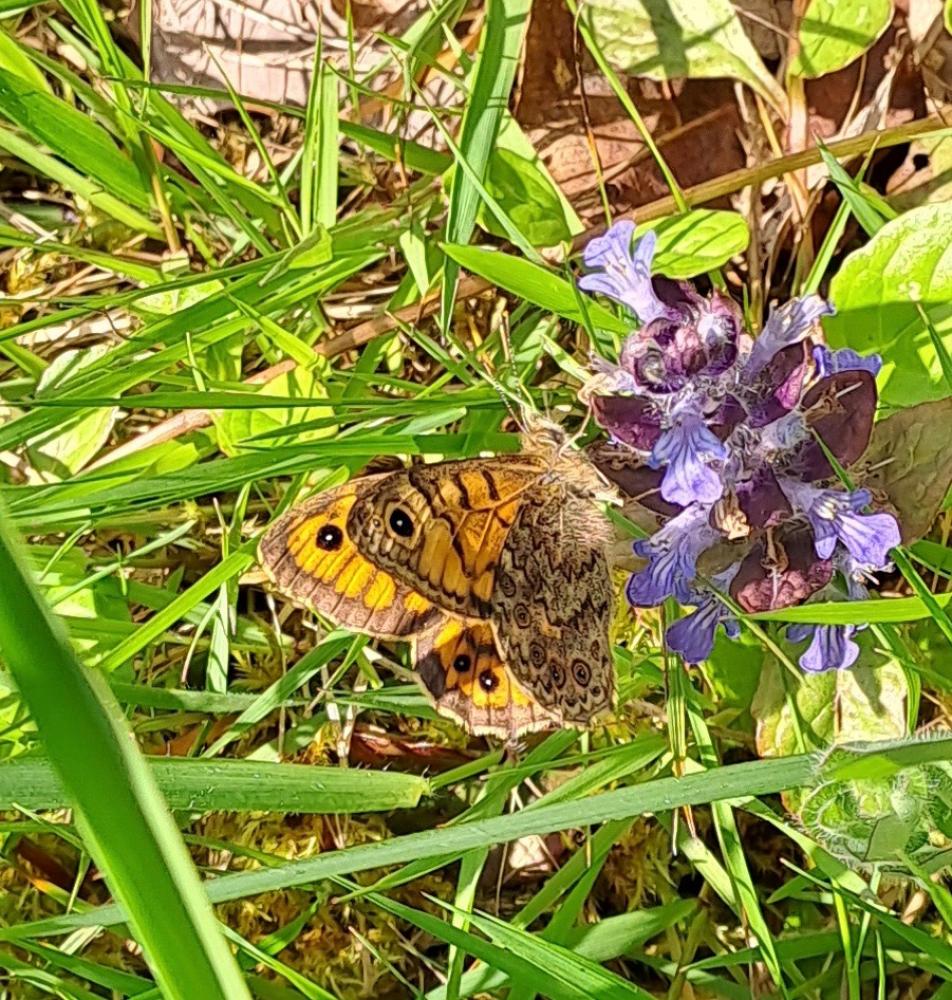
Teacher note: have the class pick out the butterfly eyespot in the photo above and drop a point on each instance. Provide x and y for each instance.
(521, 615)
(488, 681)
(462, 663)
(581, 672)
(401, 523)
(558, 676)
(537, 653)
(329, 537)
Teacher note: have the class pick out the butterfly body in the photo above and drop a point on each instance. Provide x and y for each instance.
(495, 569)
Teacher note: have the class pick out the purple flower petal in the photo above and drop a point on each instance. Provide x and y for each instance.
(788, 324)
(694, 457)
(693, 636)
(624, 271)
(672, 554)
(832, 647)
(830, 362)
(835, 517)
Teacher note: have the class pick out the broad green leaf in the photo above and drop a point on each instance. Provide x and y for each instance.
(866, 702)
(66, 449)
(702, 240)
(909, 459)
(948, 16)
(668, 39)
(835, 32)
(878, 292)
(882, 821)
(528, 197)
(241, 426)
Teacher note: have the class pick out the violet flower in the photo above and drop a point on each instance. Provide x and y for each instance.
(831, 646)
(719, 433)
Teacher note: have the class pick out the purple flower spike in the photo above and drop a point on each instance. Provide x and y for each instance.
(723, 438)
(672, 559)
(625, 272)
(788, 324)
(835, 516)
(693, 636)
(694, 457)
(833, 362)
(832, 647)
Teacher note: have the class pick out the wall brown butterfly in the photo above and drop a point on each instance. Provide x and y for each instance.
(495, 569)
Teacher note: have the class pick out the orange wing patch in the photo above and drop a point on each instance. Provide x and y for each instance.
(467, 681)
(310, 556)
(440, 529)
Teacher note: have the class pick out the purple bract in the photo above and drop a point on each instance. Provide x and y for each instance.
(736, 441)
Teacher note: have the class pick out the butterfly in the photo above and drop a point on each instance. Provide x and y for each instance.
(494, 569)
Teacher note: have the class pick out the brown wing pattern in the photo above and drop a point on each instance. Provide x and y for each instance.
(461, 671)
(552, 604)
(440, 529)
(310, 556)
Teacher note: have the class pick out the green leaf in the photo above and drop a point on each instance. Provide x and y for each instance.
(727, 782)
(699, 241)
(835, 32)
(669, 39)
(66, 449)
(209, 785)
(866, 702)
(533, 283)
(878, 293)
(528, 197)
(119, 810)
(909, 459)
(75, 137)
(493, 73)
(238, 426)
(948, 16)
(14, 59)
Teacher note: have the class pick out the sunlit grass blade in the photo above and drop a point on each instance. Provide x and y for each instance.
(124, 820)
(205, 786)
(493, 74)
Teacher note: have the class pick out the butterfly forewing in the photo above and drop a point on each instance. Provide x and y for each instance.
(441, 528)
(310, 556)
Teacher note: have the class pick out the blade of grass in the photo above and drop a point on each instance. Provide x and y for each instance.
(494, 71)
(732, 781)
(124, 821)
(206, 786)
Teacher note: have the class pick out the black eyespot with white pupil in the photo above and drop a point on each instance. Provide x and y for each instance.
(462, 663)
(488, 681)
(401, 523)
(329, 537)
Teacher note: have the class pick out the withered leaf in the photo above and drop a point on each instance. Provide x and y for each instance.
(909, 460)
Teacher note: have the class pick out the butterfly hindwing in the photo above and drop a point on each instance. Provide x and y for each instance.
(552, 604)
(467, 681)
